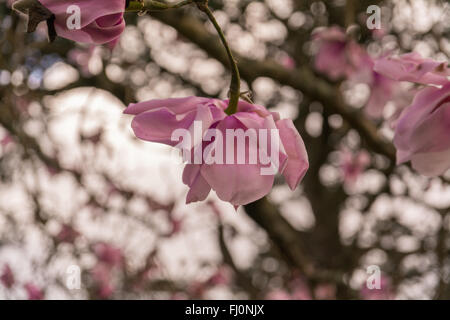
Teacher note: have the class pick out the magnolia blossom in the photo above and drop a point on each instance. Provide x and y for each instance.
(413, 68)
(241, 183)
(337, 56)
(353, 165)
(421, 133)
(100, 22)
(87, 21)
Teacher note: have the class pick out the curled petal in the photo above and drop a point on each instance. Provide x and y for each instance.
(412, 67)
(99, 23)
(199, 188)
(160, 124)
(297, 163)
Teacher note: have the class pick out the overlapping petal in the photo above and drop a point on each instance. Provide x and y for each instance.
(414, 68)
(422, 132)
(250, 159)
(101, 22)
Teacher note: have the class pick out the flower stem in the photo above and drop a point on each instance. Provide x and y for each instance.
(150, 5)
(235, 86)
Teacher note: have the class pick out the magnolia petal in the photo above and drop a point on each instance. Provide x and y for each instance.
(99, 24)
(297, 163)
(238, 184)
(431, 164)
(175, 105)
(199, 188)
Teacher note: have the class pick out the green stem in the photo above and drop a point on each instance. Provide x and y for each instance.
(150, 5)
(235, 86)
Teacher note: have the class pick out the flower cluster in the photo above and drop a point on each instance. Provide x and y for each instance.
(421, 127)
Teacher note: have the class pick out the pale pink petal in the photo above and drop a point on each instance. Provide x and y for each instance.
(238, 184)
(199, 188)
(413, 68)
(100, 23)
(297, 163)
(175, 105)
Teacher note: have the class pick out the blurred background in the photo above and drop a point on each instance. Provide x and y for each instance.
(82, 199)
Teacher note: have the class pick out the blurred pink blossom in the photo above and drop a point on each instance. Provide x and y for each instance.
(353, 164)
(7, 277)
(288, 62)
(67, 234)
(300, 290)
(102, 276)
(34, 293)
(337, 56)
(422, 131)
(382, 90)
(108, 254)
(413, 68)
(6, 140)
(384, 293)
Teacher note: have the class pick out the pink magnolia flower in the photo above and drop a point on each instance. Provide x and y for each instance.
(101, 22)
(353, 165)
(337, 56)
(238, 184)
(7, 277)
(34, 293)
(413, 68)
(422, 131)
